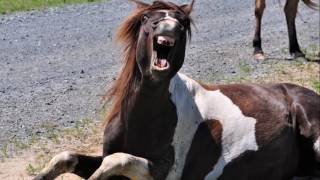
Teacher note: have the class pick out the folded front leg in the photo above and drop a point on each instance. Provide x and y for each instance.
(69, 162)
(122, 164)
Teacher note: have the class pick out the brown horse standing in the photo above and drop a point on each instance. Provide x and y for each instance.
(165, 125)
(290, 10)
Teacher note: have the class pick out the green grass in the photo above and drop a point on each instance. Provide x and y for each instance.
(4, 151)
(316, 86)
(9, 6)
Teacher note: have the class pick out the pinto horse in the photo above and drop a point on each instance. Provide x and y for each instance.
(165, 125)
(290, 10)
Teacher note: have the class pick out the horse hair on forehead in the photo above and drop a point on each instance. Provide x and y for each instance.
(127, 36)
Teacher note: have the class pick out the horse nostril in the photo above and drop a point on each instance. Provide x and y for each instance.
(154, 26)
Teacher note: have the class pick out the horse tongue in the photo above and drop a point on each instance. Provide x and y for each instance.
(163, 63)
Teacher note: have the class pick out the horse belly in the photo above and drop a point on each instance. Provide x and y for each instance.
(276, 160)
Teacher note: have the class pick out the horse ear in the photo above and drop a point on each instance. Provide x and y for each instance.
(187, 8)
(140, 4)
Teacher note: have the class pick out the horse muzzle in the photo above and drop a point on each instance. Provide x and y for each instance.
(169, 27)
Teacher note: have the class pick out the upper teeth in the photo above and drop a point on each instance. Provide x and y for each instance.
(165, 40)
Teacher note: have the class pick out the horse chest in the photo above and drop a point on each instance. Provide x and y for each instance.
(151, 135)
(194, 105)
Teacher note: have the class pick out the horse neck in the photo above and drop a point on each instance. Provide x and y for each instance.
(145, 100)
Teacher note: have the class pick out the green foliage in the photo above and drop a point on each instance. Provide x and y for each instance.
(316, 86)
(41, 161)
(8, 6)
(244, 67)
(31, 170)
(4, 151)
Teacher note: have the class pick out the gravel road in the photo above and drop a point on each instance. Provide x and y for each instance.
(55, 64)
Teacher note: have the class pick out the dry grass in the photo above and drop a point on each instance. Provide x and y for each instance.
(84, 137)
(305, 74)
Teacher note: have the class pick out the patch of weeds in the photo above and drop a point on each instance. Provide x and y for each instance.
(50, 131)
(316, 86)
(238, 79)
(32, 170)
(41, 160)
(4, 151)
(284, 50)
(211, 78)
(313, 52)
(8, 6)
(74, 132)
(33, 139)
(243, 75)
(20, 145)
(244, 68)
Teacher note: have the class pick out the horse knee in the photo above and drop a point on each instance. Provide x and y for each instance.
(122, 164)
(66, 161)
(61, 163)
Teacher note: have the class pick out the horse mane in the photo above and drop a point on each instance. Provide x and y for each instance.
(127, 36)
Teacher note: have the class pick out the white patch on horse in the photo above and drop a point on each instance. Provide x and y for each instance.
(167, 16)
(124, 164)
(62, 162)
(195, 104)
(316, 147)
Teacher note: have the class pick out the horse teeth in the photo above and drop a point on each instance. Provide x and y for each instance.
(165, 40)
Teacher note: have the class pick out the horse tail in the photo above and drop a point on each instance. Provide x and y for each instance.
(311, 4)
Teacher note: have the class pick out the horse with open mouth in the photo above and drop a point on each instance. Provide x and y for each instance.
(165, 125)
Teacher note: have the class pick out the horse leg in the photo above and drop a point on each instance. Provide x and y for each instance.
(122, 164)
(259, 8)
(68, 162)
(290, 10)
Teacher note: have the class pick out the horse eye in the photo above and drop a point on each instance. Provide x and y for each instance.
(144, 18)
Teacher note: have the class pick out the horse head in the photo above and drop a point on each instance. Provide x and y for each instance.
(158, 32)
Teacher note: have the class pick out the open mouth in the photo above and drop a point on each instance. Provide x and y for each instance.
(161, 51)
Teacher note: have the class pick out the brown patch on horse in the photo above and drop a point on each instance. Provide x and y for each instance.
(127, 36)
(204, 151)
(215, 128)
(253, 101)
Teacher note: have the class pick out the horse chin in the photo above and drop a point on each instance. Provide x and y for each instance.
(159, 75)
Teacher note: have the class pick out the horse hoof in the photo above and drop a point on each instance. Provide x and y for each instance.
(259, 57)
(296, 56)
(299, 55)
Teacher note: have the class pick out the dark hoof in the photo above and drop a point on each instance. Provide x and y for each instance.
(296, 55)
(259, 57)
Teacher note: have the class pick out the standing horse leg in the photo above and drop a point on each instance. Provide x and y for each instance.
(68, 162)
(259, 8)
(290, 10)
